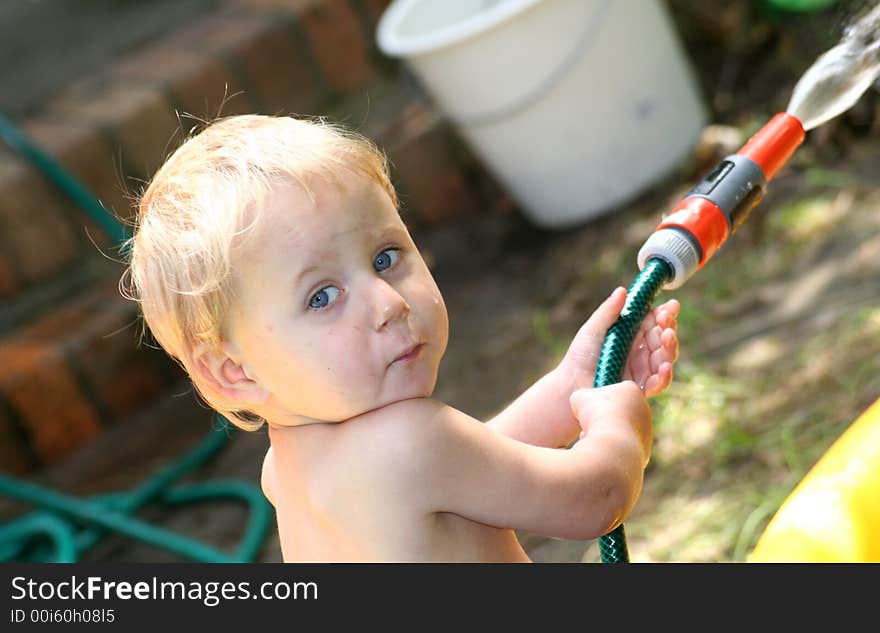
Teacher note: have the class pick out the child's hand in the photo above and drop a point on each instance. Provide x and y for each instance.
(617, 411)
(654, 350)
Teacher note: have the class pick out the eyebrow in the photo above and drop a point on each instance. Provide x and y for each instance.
(391, 232)
(297, 280)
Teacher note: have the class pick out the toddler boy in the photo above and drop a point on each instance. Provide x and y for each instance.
(270, 260)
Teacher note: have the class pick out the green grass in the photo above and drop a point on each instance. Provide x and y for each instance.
(554, 344)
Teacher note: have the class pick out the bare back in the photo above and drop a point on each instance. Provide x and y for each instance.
(352, 492)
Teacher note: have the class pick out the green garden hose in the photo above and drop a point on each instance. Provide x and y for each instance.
(15, 536)
(111, 512)
(612, 359)
(62, 179)
(73, 525)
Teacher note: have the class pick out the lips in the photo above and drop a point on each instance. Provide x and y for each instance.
(410, 353)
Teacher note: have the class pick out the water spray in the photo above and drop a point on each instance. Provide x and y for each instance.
(710, 213)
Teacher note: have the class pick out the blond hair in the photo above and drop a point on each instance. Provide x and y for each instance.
(206, 194)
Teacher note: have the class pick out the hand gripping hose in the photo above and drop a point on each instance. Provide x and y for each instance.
(682, 244)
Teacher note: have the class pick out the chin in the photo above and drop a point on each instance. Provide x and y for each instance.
(421, 389)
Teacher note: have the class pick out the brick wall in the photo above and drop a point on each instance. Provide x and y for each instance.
(69, 349)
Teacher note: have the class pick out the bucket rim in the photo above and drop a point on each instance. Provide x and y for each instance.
(393, 45)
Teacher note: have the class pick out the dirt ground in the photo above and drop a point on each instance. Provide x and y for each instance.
(780, 332)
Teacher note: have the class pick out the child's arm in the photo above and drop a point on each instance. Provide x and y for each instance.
(454, 463)
(542, 415)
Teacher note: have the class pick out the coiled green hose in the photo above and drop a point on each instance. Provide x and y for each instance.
(74, 525)
(612, 360)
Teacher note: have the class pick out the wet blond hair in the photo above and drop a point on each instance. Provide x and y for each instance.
(205, 195)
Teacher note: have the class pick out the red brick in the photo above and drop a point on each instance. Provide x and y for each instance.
(83, 152)
(337, 39)
(36, 232)
(280, 74)
(71, 318)
(427, 168)
(138, 116)
(263, 49)
(8, 282)
(200, 84)
(15, 456)
(44, 394)
(121, 376)
(104, 345)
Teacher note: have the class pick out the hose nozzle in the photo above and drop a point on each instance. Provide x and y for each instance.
(688, 237)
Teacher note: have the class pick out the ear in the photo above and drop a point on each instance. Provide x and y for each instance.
(225, 375)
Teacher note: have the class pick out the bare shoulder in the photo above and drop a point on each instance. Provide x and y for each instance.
(402, 428)
(401, 443)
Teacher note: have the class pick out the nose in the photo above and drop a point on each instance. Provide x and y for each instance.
(389, 304)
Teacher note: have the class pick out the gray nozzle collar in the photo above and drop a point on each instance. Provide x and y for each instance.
(677, 249)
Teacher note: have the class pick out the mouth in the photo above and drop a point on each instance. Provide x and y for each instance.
(410, 353)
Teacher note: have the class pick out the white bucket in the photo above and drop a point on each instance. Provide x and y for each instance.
(576, 106)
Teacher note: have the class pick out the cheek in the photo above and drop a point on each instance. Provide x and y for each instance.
(439, 309)
(337, 351)
(433, 309)
(437, 303)
(272, 354)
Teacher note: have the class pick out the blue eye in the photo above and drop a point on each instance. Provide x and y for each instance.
(386, 259)
(324, 297)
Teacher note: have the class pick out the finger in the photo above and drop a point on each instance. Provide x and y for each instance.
(655, 343)
(669, 340)
(653, 338)
(605, 315)
(588, 402)
(655, 322)
(657, 383)
(576, 401)
(646, 354)
(667, 314)
(665, 351)
(673, 307)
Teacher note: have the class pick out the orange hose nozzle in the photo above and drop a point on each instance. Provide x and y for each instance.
(774, 143)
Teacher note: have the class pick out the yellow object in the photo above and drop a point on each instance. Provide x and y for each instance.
(833, 515)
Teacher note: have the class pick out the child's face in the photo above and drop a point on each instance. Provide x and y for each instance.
(335, 311)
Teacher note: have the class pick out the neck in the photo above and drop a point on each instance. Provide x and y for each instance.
(288, 425)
